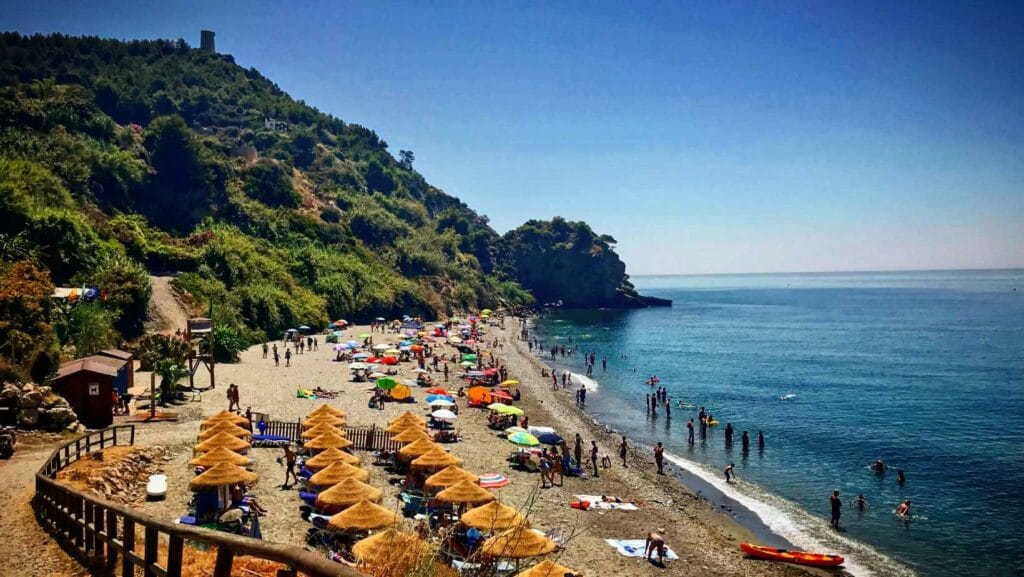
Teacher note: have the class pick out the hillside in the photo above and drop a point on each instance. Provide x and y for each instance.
(121, 159)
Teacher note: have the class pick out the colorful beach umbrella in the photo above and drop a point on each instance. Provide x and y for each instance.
(524, 440)
(444, 415)
(386, 383)
(550, 439)
(432, 398)
(493, 481)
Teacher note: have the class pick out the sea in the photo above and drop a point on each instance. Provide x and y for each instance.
(924, 370)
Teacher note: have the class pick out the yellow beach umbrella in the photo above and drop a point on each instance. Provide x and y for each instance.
(220, 475)
(318, 430)
(227, 428)
(363, 516)
(449, 476)
(436, 458)
(346, 493)
(327, 441)
(222, 440)
(518, 543)
(323, 420)
(416, 448)
(390, 547)
(493, 516)
(465, 492)
(548, 568)
(220, 455)
(407, 416)
(411, 434)
(336, 473)
(225, 416)
(327, 457)
(326, 409)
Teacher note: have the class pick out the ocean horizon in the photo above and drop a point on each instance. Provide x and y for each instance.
(838, 369)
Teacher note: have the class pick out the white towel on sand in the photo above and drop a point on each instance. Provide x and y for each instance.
(597, 503)
(635, 548)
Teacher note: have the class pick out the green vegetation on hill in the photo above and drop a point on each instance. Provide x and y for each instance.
(118, 158)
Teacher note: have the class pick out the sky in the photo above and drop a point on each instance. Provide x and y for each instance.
(707, 137)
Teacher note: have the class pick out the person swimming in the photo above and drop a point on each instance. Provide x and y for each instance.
(903, 511)
(860, 502)
(900, 477)
(878, 466)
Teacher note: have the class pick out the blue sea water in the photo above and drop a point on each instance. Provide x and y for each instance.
(924, 370)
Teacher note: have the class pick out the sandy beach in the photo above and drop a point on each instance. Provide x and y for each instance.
(705, 540)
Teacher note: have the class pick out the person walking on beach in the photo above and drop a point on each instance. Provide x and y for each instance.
(728, 473)
(288, 358)
(837, 509)
(623, 449)
(583, 396)
(577, 451)
(231, 400)
(689, 431)
(446, 371)
(593, 457)
(289, 466)
(234, 397)
(277, 358)
(265, 349)
(659, 458)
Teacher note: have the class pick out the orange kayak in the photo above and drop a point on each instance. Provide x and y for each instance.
(798, 557)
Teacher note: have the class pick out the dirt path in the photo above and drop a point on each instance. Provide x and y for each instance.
(166, 311)
(25, 549)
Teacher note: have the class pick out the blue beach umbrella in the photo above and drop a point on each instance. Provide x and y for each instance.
(432, 398)
(550, 439)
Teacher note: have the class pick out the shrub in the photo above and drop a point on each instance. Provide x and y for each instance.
(269, 182)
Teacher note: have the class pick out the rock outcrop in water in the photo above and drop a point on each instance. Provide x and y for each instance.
(567, 263)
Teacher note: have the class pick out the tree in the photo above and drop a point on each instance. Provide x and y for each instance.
(91, 328)
(182, 187)
(378, 179)
(269, 182)
(303, 147)
(406, 158)
(170, 372)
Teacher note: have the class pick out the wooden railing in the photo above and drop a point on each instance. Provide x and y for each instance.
(106, 532)
(364, 438)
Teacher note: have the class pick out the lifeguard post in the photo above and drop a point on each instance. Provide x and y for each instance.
(199, 334)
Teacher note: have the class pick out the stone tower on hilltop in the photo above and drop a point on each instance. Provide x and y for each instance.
(206, 41)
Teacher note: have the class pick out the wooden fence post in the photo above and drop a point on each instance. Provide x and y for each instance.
(225, 558)
(128, 539)
(111, 527)
(150, 551)
(174, 554)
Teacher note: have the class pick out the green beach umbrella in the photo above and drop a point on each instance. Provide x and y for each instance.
(509, 410)
(496, 406)
(386, 383)
(524, 439)
(466, 364)
(365, 336)
(513, 430)
(469, 357)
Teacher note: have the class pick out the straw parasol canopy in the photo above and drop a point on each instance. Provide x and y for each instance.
(493, 516)
(347, 493)
(225, 416)
(547, 568)
(326, 409)
(227, 428)
(465, 492)
(448, 477)
(323, 420)
(327, 441)
(220, 455)
(385, 546)
(417, 448)
(321, 429)
(403, 426)
(407, 417)
(363, 516)
(338, 472)
(518, 543)
(330, 456)
(411, 434)
(222, 440)
(436, 458)
(220, 475)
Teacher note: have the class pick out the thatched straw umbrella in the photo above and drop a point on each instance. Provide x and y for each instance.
(321, 429)
(363, 516)
(227, 416)
(221, 455)
(400, 427)
(221, 475)
(416, 448)
(518, 543)
(408, 417)
(336, 473)
(327, 441)
(227, 428)
(387, 546)
(345, 494)
(449, 476)
(326, 409)
(547, 568)
(323, 420)
(330, 456)
(465, 493)
(412, 434)
(493, 516)
(436, 458)
(222, 440)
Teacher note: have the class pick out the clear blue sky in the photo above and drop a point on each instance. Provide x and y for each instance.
(705, 137)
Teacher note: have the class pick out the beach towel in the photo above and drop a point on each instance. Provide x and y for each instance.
(635, 548)
(597, 503)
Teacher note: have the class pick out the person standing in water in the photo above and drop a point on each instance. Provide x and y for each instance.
(903, 511)
(745, 440)
(760, 440)
(729, 473)
(837, 509)
(728, 434)
(689, 431)
(861, 502)
(900, 477)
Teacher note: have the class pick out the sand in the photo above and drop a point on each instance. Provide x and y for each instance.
(705, 540)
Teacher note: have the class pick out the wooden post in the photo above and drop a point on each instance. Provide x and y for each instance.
(128, 538)
(174, 554)
(152, 395)
(150, 551)
(225, 559)
(111, 527)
